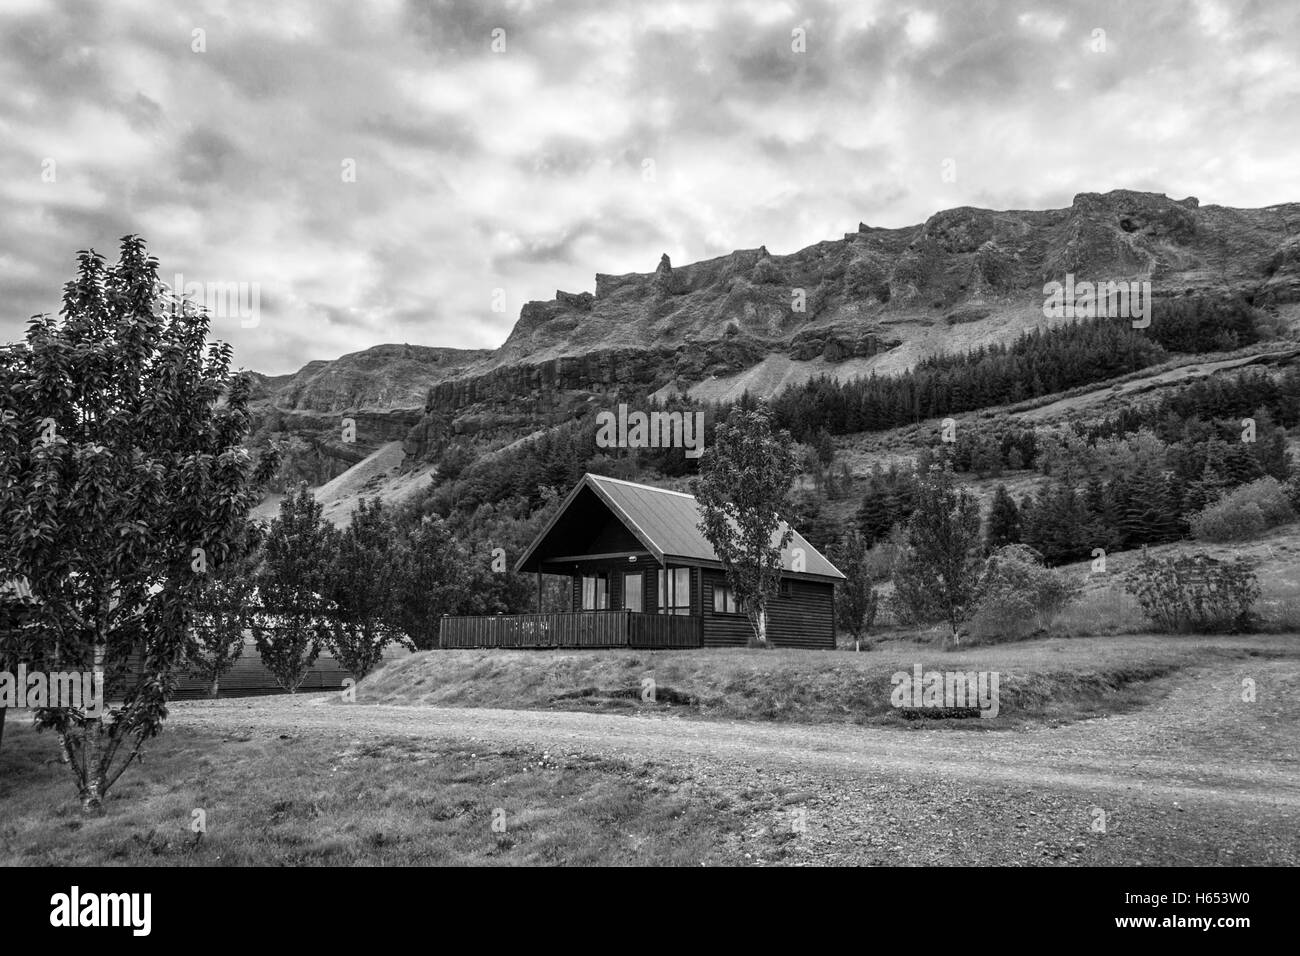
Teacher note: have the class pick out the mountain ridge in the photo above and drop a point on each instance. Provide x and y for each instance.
(877, 300)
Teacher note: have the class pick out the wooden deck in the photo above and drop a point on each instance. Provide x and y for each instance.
(572, 629)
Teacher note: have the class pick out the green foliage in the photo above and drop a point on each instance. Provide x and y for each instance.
(1203, 324)
(1056, 524)
(856, 601)
(122, 478)
(365, 583)
(1018, 594)
(224, 613)
(1004, 521)
(1244, 512)
(1195, 593)
(938, 574)
(434, 579)
(1041, 362)
(294, 582)
(743, 490)
(888, 501)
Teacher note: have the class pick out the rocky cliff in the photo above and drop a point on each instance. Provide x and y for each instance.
(876, 300)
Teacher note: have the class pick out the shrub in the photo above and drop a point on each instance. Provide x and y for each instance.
(1195, 593)
(1018, 594)
(1292, 491)
(1244, 512)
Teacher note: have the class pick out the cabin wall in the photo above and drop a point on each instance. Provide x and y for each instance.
(805, 618)
(615, 568)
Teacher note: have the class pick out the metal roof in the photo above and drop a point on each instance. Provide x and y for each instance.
(667, 523)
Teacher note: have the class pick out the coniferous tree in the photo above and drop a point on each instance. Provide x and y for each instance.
(1004, 521)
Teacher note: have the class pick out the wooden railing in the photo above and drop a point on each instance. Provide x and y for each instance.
(571, 629)
(664, 630)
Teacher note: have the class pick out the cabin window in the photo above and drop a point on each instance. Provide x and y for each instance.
(724, 600)
(675, 591)
(633, 591)
(786, 588)
(595, 592)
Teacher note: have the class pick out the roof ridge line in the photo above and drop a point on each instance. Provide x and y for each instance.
(637, 484)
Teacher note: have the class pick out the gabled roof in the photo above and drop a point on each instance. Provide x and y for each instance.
(667, 524)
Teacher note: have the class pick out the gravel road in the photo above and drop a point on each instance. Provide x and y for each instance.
(1199, 776)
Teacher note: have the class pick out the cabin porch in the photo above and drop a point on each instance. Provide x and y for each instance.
(616, 599)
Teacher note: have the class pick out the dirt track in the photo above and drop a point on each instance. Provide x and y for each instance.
(1199, 776)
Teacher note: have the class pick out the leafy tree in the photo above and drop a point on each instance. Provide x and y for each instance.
(364, 582)
(743, 489)
(937, 578)
(122, 476)
(1195, 592)
(294, 585)
(435, 579)
(1018, 594)
(856, 600)
(224, 613)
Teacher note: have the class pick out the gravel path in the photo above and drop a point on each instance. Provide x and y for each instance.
(1199, 776)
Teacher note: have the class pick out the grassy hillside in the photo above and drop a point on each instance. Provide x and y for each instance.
(1048, 681)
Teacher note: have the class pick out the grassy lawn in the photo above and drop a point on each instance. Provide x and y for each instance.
(394, 801)
(1050, 680)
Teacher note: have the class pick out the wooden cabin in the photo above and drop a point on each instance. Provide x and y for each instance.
(642, 575)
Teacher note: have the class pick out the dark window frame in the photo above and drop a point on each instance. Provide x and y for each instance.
(672, 579)
(600, 591)
(728, 595)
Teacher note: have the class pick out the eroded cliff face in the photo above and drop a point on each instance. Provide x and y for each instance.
(835, 307)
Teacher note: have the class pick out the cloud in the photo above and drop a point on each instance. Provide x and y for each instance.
(598, 137)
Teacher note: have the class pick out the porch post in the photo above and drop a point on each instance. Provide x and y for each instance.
(539, 589)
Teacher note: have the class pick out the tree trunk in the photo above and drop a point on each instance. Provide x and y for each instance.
(3, 712)
(92, 789)
(89, 774)
(215, 688)
(857, 645)
(760, 627)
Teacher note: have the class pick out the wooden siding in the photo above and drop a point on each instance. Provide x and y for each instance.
(805, 618)
(571, 629)
(664, 630)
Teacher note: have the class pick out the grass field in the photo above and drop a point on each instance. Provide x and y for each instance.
(312, 800)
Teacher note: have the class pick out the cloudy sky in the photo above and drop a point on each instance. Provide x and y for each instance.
(388, 172)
